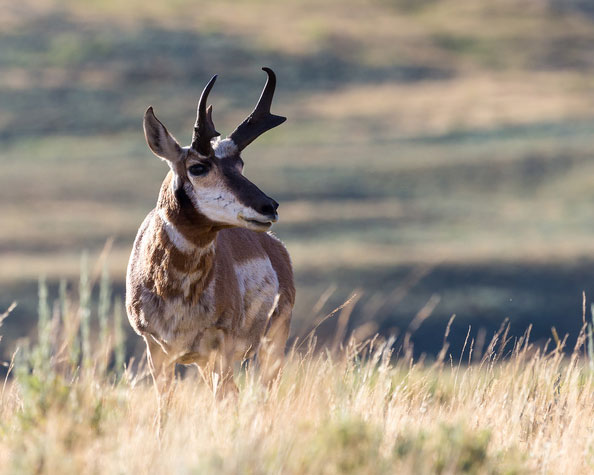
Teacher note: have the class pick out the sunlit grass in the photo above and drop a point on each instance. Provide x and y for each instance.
(72, 404)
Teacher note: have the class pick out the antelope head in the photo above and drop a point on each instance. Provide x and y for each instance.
(210, 171)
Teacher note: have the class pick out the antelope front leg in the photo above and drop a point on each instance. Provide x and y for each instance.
(272, 347)
(163, 372)
(217, 371)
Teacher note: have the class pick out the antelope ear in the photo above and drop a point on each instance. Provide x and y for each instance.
(160, 141)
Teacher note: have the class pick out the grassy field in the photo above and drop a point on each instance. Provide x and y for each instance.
(437, 161)
(75, 405)
(437, 152)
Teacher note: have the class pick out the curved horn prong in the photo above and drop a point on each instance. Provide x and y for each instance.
(204, 129)
(260, 120)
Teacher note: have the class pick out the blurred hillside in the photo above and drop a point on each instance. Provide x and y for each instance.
(438, 154)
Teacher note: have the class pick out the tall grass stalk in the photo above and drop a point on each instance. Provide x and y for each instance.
(84, 291)
(43, 348)
(590, 339)
(104, 306)
(119, 335)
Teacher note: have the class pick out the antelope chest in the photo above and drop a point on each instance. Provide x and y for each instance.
(232, 309)
(177, 321)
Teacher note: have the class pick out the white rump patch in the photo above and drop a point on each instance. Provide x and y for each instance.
(224, 148)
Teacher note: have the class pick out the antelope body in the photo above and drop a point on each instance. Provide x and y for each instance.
(206, 284)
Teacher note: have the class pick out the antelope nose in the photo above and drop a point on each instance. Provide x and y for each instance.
(269, 208)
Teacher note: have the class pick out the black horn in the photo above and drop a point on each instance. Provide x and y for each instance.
(260, 120)
(204, 129)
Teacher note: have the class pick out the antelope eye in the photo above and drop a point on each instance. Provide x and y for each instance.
(197, 170)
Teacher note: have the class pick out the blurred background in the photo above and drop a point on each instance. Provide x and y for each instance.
(438, 158)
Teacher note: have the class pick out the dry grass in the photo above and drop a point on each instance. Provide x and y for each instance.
(505, 407)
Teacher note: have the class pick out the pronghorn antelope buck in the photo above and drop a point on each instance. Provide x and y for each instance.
(206, 284)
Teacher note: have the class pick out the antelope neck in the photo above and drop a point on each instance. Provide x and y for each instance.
(189, 230)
